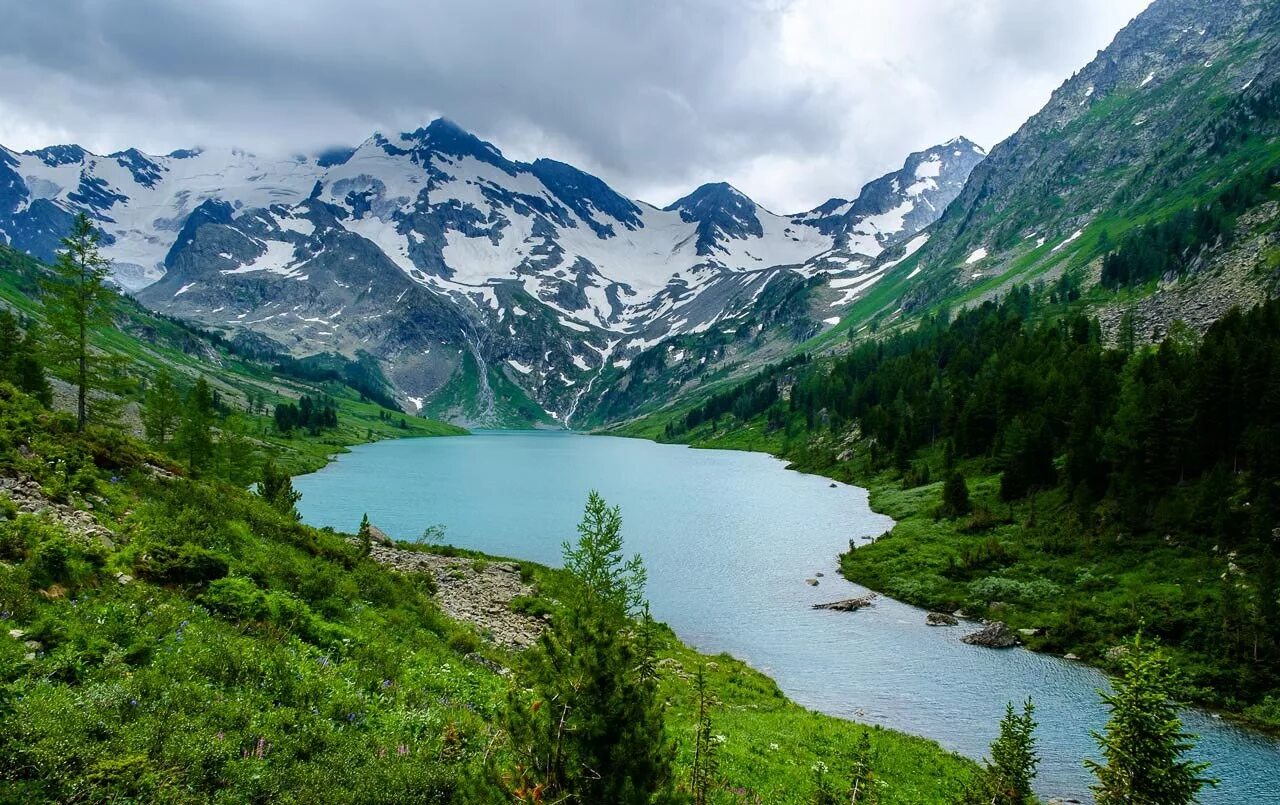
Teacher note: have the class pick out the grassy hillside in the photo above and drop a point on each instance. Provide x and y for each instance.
(182, 640)
(149, 343)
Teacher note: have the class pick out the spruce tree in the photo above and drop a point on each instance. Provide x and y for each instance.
(1144, 745)
(1007, 777)
(584, 717)
(10, 342)
(955, 497)
(77, 299)
(276, 487)
(365, 534)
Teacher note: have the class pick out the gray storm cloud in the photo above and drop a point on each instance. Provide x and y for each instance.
(792, 102)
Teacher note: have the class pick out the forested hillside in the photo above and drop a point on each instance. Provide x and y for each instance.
(1091, 490)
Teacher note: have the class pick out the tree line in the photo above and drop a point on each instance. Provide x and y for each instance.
(1168, 248)
(307, 414)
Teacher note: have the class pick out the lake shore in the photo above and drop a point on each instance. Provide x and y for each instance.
(913, 520)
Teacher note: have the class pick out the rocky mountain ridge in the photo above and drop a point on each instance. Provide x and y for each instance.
(490, 290)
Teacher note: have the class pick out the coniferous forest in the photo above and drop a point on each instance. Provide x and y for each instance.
(1099, 452)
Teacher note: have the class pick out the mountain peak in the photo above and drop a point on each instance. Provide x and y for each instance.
(721, 193)
(719, 209)
(960, 142)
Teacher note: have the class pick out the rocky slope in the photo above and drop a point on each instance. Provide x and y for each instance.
(1186, 98)
(490, 290)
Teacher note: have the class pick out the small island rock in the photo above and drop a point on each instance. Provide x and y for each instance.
(940, 619)
(848, 604)
(993, 635)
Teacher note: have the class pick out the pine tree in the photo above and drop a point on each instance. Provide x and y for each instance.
(584, 717)
(194, 437)
(276, 488)
(10, 342)
(76, 300)
(18, 362)
(162, 410)
(1143, 744)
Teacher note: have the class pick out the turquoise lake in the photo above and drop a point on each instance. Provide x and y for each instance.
(729, 539)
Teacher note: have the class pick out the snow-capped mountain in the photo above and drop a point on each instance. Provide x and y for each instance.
(479, 282)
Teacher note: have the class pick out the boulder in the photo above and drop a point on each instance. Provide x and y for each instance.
(811, 582)
(941, 619)
(379, 537)
(993, 634)
(848, 604)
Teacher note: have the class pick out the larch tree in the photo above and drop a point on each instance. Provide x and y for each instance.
(163, 409)
(77, 299)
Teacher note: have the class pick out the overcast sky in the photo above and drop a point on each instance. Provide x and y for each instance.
(792, 101)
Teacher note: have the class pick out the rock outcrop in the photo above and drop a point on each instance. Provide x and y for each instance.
(474, 591)
(29, 498)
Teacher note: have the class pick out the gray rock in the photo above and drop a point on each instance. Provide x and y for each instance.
(848, 604)
(941, 619)
(994, 634)
(378, 536)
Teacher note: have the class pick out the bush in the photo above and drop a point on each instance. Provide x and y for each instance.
(184, 564)
(999, 588)
(236, 598)
(50, 562)
(982, 519)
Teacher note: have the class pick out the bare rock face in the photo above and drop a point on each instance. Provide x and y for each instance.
(849, 604)
(993, 634)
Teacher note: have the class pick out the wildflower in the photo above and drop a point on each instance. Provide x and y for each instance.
(402, 750)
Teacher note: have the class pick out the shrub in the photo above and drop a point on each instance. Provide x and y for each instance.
(184, 564)
(999, 588)
(50, 562)
(236, 598)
